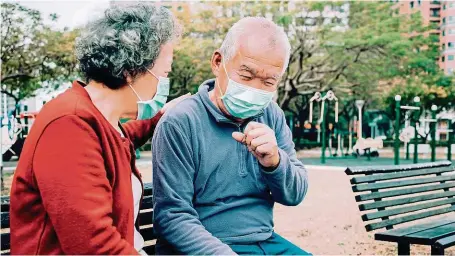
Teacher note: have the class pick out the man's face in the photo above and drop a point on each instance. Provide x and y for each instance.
(256, 64)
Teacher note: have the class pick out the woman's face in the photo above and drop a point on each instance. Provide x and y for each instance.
(146, 84)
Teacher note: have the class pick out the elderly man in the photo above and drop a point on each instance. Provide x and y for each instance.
(226, 155)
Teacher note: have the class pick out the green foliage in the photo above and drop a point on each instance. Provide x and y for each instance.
(33, 55)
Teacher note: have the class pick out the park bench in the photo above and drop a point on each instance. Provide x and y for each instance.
(393, 195)
(145, 217)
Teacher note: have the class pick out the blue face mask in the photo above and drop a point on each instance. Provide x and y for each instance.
(149, 108)
(242, 101)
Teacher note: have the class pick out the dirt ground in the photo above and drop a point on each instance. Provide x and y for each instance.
(328, 222)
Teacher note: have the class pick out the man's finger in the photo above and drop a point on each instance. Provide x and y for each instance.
(255, 154)
(264, 149)
(260, 141)
(238, 136)
(255, 133)
(252, 125)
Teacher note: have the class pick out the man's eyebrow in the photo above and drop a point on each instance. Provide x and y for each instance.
(274, 77)
(254, 72)
(248, 69)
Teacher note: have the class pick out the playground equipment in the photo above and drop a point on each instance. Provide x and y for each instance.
(368, 144)
(330, 96)
(10, 132)
(414, 120)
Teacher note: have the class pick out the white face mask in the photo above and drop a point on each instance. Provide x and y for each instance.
(149, 108)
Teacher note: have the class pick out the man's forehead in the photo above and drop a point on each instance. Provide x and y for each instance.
(256, 60)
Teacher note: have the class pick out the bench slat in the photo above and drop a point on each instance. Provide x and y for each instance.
(395, 234)
(401, 183)
(407, 200)
(395, 168)
(147, 203)
(146, 218)
(431, 235)
(408, 218)
(401, 210)
(5, 244)
(399, 192)
(148, 189)
(4, 220)
(148, 233)
(445, 242)
(4, 199)
(398, 175)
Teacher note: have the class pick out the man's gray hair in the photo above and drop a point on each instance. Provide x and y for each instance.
(276, 36)
(126, 40)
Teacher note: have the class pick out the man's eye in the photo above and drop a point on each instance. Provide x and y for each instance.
(270, 84)
(246, 77)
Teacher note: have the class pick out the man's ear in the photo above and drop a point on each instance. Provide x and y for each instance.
(216, 62)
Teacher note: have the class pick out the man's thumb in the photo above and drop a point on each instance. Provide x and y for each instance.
(238, 136)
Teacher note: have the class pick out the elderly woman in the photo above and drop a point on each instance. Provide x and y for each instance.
(76, 189)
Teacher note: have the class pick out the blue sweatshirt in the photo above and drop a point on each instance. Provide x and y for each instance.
(209, 191)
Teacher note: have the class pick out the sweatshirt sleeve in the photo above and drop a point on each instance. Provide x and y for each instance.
(175, 219)
(76, 193)
(289, 181)
(140, 131)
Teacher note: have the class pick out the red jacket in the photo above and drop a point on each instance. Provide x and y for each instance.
(71, 192)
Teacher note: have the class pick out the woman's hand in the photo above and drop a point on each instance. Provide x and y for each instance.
(174, 102)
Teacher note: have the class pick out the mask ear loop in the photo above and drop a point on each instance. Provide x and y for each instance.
(152, 73)
(137, 95)
(217, 84)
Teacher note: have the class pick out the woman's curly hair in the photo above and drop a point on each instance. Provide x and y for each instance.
(126, 40)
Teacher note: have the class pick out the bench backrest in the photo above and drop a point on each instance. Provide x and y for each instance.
(391, 195)
(145, 218)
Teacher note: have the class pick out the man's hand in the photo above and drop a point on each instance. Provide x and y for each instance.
(261, 142)
(174, 102)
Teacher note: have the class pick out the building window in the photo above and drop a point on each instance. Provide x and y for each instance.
(451, 5)
(434, 13)
(411, 4)
(444, 6)
(443, 33)
(450, 45)
(450, 71)
(449, 57)
(443, 59)
(443, 20)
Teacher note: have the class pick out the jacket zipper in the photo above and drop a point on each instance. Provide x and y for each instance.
(242, 156)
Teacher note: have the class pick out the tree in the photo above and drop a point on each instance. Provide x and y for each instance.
(369, 55)
(378, 51)
(33, 55)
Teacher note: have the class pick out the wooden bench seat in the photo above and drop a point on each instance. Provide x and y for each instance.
(393, 195)
(145, 218)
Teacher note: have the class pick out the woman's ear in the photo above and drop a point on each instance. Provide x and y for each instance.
(129, 78)
(216, 62)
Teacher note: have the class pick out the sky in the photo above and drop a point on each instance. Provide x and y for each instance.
(71, 13)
